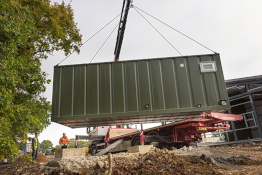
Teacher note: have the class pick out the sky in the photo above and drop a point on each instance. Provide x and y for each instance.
(232, 28)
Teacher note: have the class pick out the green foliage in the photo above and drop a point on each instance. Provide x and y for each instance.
(46, 144)
(27, 159)
(29, 31)
(82, 144)
(57, 147)
(215, 134)
(30, 139)
(71, 143)
(8, 148)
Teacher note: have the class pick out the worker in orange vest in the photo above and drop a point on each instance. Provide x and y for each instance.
(64, 141)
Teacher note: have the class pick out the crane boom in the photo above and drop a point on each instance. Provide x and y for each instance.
(121, 28)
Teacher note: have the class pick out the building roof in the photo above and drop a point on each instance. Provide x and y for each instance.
(244, 79)
(237, 86)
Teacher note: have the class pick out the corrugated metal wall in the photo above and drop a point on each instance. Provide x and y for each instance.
(136, 88)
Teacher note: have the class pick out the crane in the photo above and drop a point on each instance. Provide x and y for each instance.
(122, 26)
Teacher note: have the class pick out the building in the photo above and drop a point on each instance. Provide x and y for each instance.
(245, 95)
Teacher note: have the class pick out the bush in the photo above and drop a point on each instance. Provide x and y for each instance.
(27, 158)
(8, 148)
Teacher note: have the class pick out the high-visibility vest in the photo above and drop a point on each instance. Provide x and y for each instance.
(35, 146)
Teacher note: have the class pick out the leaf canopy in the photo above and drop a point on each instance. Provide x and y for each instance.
(30, 30)
(45, 145)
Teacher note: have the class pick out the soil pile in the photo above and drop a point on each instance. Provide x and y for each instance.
(41, 158)
(164, 162)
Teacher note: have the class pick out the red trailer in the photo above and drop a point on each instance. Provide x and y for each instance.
(176, 134)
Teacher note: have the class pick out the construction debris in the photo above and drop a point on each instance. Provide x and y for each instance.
(139, 149)
(227, 159)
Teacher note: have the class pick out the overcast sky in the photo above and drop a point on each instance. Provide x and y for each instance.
(232, 28)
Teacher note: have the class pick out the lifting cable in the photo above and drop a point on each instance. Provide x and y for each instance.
(112, 31)
(136, 8)
(104, 42)
(91, 37)
(158, 32)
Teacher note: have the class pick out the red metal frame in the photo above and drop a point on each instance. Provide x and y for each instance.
(184, 130)
(142, 137)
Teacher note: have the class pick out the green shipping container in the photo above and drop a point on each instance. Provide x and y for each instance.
(138, 91)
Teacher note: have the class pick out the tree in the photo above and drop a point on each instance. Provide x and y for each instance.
(71, 143)
(57, 147)
(8, 148)
(30, 139)
(82, 144)
(29, 31)
(46, 144)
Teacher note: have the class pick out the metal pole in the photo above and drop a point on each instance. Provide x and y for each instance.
(233, 127)
(226, 136)
(254, 112)
(219, 134)
(142, 137)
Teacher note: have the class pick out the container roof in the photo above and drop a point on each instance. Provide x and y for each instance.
(144, 59)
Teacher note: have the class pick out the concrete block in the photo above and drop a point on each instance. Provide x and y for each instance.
(122, 146)
(70, 152)
(139, 149)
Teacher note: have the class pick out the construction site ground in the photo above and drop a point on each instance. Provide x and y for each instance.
(239, 158)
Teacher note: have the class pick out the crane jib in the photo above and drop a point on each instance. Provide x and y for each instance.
(121, 28)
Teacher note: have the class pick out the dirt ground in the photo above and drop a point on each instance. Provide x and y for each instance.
(241, 158)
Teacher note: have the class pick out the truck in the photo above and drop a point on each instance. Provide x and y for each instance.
(172, 135)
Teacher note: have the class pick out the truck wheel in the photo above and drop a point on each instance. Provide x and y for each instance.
(136, 141)
(93, 150)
